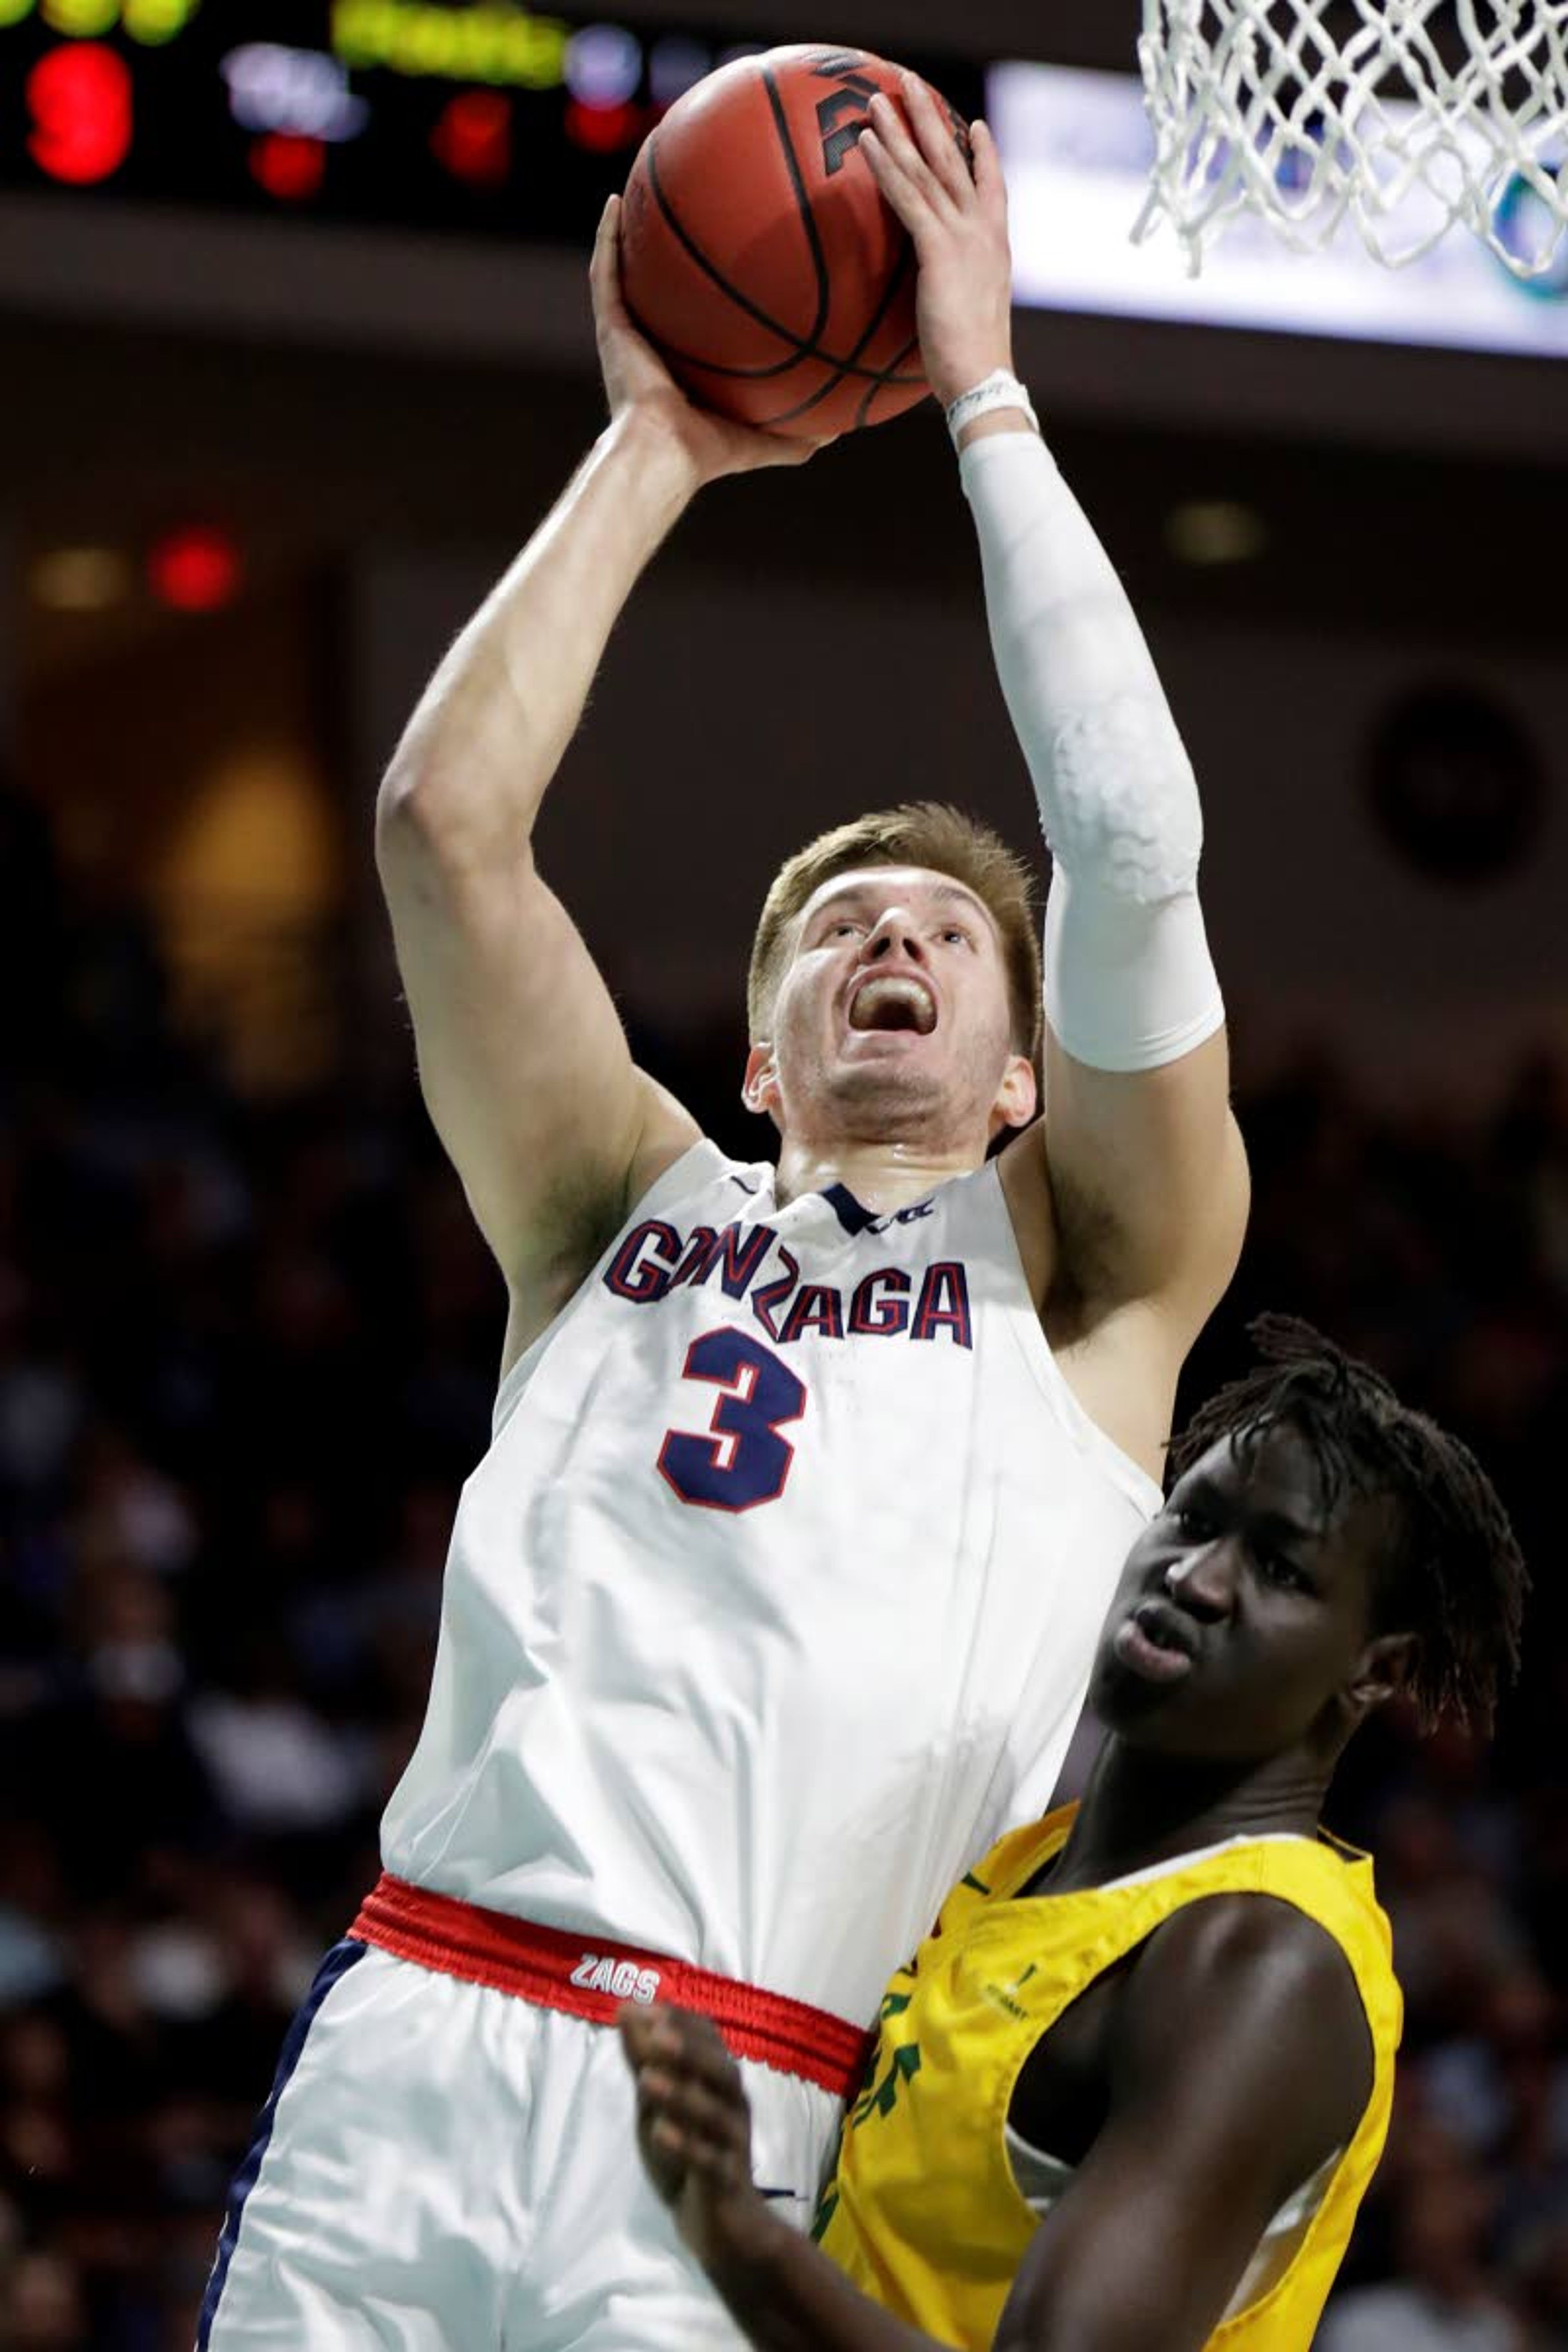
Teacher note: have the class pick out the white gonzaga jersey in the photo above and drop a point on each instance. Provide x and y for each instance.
(774, 1602)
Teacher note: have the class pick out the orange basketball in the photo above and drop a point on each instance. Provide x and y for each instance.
(757, 251)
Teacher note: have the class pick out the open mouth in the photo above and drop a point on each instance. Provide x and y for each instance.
(1157, 1642)
(890, 1001)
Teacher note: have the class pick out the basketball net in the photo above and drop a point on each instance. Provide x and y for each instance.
(1414, 115)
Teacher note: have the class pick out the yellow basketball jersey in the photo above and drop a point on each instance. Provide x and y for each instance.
(924, 2213)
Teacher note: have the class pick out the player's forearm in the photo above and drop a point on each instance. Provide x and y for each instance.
(1114, 782)
(786, 2295)
(1130, 983)
(491, 729)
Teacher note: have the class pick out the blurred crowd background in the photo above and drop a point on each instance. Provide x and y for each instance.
(246, 1359)
(294, 350)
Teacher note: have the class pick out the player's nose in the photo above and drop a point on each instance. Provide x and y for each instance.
(1202, 1579)
(896, 934)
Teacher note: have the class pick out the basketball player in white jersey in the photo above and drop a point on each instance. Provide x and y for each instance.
(774, 1597)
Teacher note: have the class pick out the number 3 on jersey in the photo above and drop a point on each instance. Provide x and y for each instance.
(742, 1461)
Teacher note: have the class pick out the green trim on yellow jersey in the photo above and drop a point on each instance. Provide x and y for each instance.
(923, 2212)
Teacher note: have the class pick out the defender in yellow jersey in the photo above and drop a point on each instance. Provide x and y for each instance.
(1130, 2090)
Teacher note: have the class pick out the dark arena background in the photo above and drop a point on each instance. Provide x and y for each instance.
(295, 349)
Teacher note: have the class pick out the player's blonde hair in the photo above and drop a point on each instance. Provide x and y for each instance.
(919, 832)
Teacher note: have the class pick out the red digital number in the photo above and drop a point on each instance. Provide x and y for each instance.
(79, 101)
(472, 140)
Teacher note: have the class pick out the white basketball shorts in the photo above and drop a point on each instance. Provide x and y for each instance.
(446, 2167)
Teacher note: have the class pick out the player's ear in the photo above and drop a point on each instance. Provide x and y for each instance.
(1386, 1667)
(760, 1087)
(1017, 1096)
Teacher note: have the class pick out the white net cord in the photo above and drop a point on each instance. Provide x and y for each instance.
(1415, 114)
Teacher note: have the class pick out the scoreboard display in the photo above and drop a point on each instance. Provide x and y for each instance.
(464, 116)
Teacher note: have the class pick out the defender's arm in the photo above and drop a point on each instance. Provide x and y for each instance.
(694, 2131)
(1242, 2062)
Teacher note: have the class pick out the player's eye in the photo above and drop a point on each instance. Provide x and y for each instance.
(1276, 1569)
(953, 932)
(1192, 1523)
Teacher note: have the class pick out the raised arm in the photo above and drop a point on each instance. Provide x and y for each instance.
(523, 1062)
(1134, 1196)
(1141, 1155)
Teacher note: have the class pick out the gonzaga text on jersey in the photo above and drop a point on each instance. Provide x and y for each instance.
(655, 1258)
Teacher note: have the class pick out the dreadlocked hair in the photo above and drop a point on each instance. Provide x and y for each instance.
(1455, 1575)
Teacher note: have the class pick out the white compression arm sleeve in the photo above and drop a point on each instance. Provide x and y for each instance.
(1130, 983)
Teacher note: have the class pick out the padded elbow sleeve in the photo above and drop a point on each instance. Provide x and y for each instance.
(1130, 983)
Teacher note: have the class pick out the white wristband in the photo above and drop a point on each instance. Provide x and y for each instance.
(998, 390)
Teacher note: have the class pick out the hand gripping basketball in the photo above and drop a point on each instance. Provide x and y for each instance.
(758, 256)
(957, 218)
(637, 380)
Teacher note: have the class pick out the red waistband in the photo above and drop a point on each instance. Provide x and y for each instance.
(588, 1976)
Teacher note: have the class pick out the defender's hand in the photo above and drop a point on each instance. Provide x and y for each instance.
(694, 2128)
(959, 223)
(636, 378)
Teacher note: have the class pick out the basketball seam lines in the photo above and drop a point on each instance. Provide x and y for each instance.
(802, 203)
(883, 379)
(876, 377)
(777, 367)
(862, 415)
